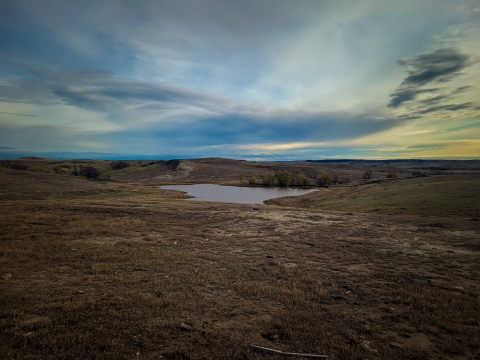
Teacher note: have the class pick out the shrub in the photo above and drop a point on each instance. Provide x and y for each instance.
(118, 165)
(16, 165)
(299, 178)
(392, 175)
(252, 180)
(284, 177)
(419, 174)
(89, 172)
(268, 178)
(58, 170)
(303, 180)
(312, 175)
(368, 174)
(323, 180)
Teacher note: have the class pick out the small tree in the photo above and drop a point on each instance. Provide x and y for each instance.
(303, 180)
(252, 180)
(323, 180)
(268, 178)
(368, 174)
(296, 176)
(284, 177)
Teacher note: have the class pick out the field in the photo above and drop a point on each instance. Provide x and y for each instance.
(117, 269)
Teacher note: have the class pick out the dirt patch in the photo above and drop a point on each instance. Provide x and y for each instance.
(192, 280)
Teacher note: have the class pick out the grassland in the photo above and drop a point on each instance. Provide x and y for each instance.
(445, 195)
(382, 269)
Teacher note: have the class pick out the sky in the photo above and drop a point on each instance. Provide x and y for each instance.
(252, 79)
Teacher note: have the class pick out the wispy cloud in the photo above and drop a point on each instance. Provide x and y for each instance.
(427, 89)
(17, 114)
(439, 66)
(407, 94)
(197, 117)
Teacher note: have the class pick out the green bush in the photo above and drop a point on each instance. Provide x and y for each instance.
(268, 178)
(284, 177)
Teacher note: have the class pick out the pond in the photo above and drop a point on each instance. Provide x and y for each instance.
(235, 194)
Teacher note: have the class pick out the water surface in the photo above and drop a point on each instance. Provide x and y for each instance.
(236, 194)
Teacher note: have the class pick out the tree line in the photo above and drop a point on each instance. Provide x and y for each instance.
(296, 178)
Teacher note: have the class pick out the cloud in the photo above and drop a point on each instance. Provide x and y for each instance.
(463, 89)
(442, 68)
(282, 126)
(427, 146)
(435, 100)
(453, 107)
(7, 148)
(177, 75)
(177, 115)
(441, 65)
(406, 94)
(17, 114)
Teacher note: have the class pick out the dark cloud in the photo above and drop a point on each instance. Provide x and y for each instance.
(436, 67)
(406, 94)
(9, 113)
(223, 129)
(452, 107)
(462, 89)
(100, 90)
(435, 100)
(427, 146)
(441, 65)
(280, 127)
(409, 117)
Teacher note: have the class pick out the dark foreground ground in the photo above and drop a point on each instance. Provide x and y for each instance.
(117, 271)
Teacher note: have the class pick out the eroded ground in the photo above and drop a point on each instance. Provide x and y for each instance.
(136, 278)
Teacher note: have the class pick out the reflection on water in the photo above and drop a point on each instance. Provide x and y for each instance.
(236, 194)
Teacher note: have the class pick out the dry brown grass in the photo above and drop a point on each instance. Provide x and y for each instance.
(221, 170)
(132, 278)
